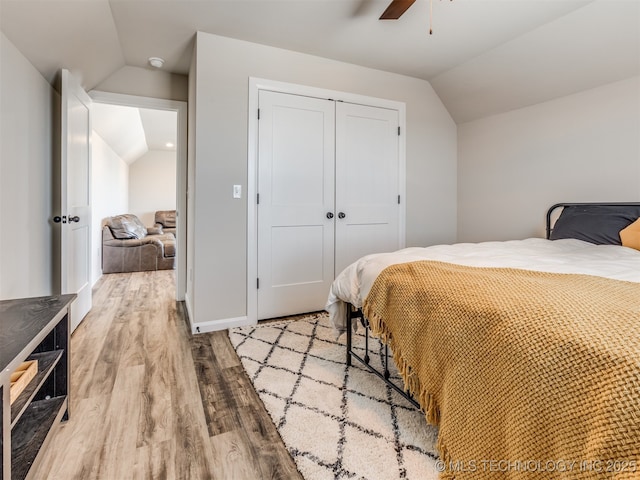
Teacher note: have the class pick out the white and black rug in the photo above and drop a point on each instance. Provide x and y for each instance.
(336, 421)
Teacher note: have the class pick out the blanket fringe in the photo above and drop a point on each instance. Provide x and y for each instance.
(445, 457)
(427, 401)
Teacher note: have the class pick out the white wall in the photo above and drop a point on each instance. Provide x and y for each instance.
(579, 148)
(26, 231)
(222, 69)
(152, 184)
(191, 187)
(109, 195)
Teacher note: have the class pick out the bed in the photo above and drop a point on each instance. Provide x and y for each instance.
(525, 353)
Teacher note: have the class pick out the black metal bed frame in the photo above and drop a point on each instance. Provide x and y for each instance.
(354, 313)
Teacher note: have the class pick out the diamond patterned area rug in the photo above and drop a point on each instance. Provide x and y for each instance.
(336, 421)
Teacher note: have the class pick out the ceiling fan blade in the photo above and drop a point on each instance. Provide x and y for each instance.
(395, 9)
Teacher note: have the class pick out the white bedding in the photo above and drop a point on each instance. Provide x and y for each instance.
(557, 256)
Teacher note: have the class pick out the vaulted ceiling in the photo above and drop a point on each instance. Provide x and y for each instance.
(484, 57)
(131, 132)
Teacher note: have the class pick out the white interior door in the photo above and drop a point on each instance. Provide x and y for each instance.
(296, 140)
(75, 197)
(367, 182)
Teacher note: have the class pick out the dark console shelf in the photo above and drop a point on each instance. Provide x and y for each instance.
(32, 431)
(46, 362)
(32, 329)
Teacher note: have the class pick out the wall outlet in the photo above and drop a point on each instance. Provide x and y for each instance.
(237, 191)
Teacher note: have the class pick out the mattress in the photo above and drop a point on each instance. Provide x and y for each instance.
(353, 284)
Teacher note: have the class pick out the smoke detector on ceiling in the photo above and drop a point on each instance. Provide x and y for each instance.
(156, 62)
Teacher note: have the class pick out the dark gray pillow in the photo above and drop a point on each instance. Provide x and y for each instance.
(599, 224)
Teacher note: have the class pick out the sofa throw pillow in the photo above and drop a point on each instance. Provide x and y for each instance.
(167, 218)
(630, 235)
(127, 226)
(599, 224)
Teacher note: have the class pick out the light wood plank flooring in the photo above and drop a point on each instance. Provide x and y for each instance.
(150, 401)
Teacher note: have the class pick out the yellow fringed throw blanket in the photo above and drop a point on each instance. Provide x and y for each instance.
(527, 374)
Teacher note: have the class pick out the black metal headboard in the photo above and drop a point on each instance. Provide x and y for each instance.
(562, 205)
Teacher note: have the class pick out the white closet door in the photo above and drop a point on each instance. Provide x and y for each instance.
(367, 182)
(296, 191)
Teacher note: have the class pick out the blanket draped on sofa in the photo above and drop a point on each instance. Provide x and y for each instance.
(521, 370)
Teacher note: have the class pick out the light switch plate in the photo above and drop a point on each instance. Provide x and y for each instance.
(237, 191)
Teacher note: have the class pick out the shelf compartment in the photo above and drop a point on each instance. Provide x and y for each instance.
(32, 431)
(21, 377)
(46, 363)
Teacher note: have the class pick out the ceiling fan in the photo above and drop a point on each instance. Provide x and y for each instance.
(397, 8)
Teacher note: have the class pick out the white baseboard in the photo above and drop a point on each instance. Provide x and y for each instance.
(187, 306)
(93, 285)
(222, 324)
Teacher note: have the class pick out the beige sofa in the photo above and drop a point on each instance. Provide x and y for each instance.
(127, 246)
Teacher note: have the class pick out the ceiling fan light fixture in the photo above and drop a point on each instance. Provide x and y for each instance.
(156, 62)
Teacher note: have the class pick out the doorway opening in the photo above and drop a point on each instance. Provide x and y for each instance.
(140, 166)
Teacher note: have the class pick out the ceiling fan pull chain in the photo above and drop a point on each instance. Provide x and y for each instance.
(430, 17)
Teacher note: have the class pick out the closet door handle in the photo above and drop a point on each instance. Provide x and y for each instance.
(341, 215)
(329, 215)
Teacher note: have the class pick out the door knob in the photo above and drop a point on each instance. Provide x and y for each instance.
(329, 215)
(57, 219)
(74, 219)
(341, 215)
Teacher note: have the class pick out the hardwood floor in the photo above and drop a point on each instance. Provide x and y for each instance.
(150, 401)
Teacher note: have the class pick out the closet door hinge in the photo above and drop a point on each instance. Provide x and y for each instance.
(398, 131)
(257, 283)
(398, 199)
(258, 114)
(257, 198)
